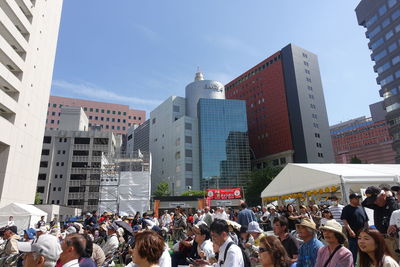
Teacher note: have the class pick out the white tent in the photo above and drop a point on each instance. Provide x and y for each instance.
(300, 178)
(25, 215)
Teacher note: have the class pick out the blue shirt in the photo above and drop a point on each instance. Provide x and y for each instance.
(246, 216)
(308, 253)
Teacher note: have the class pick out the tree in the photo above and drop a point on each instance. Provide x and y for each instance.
(38, 199)
(355, 160)
(197, 193)
(259, 180)
(162, 190)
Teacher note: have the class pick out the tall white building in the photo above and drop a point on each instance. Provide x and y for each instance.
(28, 38)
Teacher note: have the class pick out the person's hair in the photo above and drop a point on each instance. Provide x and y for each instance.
(204, 230)
(380, 251)
(283, 221)
(327, 211)
(339, 237)
(89, 246)
(219, 226)
(278, 253)
(243, 205)
(78, 241)
(287, 207)
(149, 245)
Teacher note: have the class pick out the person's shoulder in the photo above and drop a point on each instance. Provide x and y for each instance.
(318, 243)
(389, 262)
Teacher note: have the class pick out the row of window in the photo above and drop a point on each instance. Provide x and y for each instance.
(371, 34)
(381, 11)
(112, 127)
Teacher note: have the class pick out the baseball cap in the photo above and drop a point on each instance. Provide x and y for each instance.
(46, 245)
(354, 195)
(372, 193)
(71, 230)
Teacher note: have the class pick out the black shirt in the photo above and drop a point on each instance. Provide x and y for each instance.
(382, 214)
(291, 246)
(355, 217)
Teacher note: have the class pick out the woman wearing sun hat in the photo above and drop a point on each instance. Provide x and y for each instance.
(334, 253)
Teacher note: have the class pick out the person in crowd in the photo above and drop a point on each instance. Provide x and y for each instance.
(42, 253)
(334, 253)
(336, 209)
(29, 235)
(10, 221)
(136, 220)
(229, 254)
(373, 250)
(41, 222)
(86, 260)
(165, 219)
(326, 216)
(383, 204)
(272, 215)
(197, 217)
(246, 216)
(90, 220)
(203, 240)
(272, 253)
(257, 233)
(308, 250)
(354, 219)
(207, 216)
(179, 226)
(316, 214)
(73, 248)
(53, 223)
(292, 216)
(288, 241)
(184, 248)
(303, 213)
(112, 242)
(11, 236)
(246, 241)
(147, 249)
(220, 214)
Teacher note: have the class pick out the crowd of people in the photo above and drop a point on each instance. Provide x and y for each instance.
(282, 236)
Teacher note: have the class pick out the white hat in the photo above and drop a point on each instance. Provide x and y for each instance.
(46, 245)
(254, 227)
(42, 229)
(70, 230)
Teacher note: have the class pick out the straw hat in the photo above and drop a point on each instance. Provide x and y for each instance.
(334, 226)
(306, 222)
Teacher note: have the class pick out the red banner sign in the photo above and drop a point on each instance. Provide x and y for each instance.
(224, 193)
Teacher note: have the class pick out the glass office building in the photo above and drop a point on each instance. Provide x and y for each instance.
(224, 145)
(381, 18)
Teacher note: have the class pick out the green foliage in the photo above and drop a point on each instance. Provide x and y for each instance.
(355, 160)
(162, 190)
(38, 199)
(259, 179)
(197, 193)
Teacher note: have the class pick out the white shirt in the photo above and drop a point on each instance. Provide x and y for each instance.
(111, 245)
(73, 263)
(234, 256)
(337, 212)
(207, 248)
(166, 219)
(10, 223)
(221, 215)
(395, 218)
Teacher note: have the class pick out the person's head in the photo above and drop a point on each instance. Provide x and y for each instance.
(334, 200)
(315, 208)
(206, 209)
(290, 208)
(10, 231)
(10, 218)
(254, 229)
(219, 231)
(42, 253)
(73, 247)
(112, 229)
(243, 205)
(42, 218)
(280, 225)
(29, 234)
(272, 209)
(332, 232)
(202, 233)
(355, 199)
(303, 209)
(306, 229)
(271, 252)
(89, 246)
(371, 243)
(327, 214)
(375, 195)
(147, 249)
(243, 233)
(88, 215)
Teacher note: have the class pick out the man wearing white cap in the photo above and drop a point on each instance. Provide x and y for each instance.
(43, 253)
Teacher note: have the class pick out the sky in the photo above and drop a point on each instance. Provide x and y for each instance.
(139, 53)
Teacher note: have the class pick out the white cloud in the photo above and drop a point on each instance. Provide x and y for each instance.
(94, 92)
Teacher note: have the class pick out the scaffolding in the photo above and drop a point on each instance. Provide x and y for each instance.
(125, 183)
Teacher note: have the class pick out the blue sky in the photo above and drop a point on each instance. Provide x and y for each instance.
(141, 52)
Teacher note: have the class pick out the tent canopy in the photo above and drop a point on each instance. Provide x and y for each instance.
(296, 178)
(24, 215)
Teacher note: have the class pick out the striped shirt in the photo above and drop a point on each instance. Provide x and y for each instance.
(337, 212)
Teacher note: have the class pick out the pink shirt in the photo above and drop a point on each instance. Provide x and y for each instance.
(342, 257)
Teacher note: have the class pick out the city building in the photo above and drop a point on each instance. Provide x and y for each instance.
(28, 40)
(382, 22)
(138, 138)
(367, 139)
(184, 134)
(70, 165)
(109, 117)
(286, 113)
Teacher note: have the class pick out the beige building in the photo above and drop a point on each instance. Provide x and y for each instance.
(28, 38)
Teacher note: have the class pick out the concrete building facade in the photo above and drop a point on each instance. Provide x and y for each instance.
(109, 117)
(286, 112)
(382, 22)
(138, 138)
(70, 165)
(28, 39)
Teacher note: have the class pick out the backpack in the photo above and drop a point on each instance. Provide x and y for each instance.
(246, 259)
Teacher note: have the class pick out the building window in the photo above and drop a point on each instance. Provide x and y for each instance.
(153, 121)
(91, 109)
(42, 176)
(47, 140)
(55, 176)
(315, 125)
(188, 153)
(306, 63)
(46, 152)
(178, 155)
(54, 189)
(188, 126)
(175, 108)
(189, 167)
(102, 111)
(382, 10)
(44, 164)
(40, 189)
(140, 118)
(305, 55)
(275, 162)
(283, 160)
(307, 71)
(188, 139)
(308, 79)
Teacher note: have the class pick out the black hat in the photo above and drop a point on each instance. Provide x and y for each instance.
(354, 195)
(395, 188)
(372, 193)
(12, 229)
